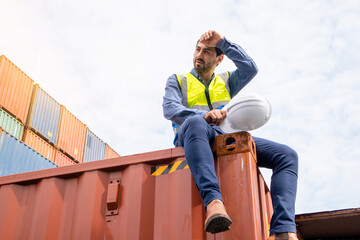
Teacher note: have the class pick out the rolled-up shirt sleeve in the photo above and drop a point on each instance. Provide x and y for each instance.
(246, 68)
(172, 103)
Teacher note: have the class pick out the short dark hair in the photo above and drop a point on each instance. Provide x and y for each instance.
(217, 50)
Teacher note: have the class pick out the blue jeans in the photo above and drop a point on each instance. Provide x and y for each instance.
(195, 134)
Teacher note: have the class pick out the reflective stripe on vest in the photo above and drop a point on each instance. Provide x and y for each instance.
(194, 92)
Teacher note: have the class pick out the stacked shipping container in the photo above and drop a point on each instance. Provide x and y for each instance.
(10, 124)
(17, 157)
(30, 114)
(94, 147)
(62, 160)
(110, 153)
(38, 144)
(44, 115)
(71, 135)
(15, 89)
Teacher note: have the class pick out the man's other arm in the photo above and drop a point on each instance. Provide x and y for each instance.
(246, 68)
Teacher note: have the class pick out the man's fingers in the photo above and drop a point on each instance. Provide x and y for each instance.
(215, 116)
(206, 36)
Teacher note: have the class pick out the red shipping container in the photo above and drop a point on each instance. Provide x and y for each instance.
(38, 144)
(144, 196)
(15, 89)
(62, 160)
(72, 134)
(110, 153)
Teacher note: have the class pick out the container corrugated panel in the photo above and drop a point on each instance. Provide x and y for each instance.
(94, 147)
(44, 114)
(72, 133)
(11, 125)
(15, 89)
(110, 153)
(144, 196)
(62, 160)
(38, 144)
(17, 157)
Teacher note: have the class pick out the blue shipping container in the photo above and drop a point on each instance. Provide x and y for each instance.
(17, 157)
(44, 115)
(94, 147)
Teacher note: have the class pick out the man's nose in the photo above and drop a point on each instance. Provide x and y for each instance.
(199, 53)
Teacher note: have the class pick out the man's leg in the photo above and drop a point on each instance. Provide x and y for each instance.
(195, 135)
(284, 162)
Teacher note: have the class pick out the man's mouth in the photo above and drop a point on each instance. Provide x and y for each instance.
(199, 61)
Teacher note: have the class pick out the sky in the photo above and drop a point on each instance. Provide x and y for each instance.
(108, 61)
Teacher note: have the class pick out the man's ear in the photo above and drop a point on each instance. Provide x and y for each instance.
(219, 59)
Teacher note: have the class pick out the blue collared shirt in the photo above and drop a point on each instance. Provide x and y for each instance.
(246, 69)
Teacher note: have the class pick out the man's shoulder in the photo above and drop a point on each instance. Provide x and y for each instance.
(224, 75)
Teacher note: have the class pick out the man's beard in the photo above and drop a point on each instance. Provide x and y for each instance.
(205, 68)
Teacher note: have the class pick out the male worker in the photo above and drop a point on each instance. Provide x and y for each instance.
(193, 103)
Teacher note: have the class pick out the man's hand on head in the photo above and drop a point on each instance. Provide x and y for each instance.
(211, 38)
(215, 116)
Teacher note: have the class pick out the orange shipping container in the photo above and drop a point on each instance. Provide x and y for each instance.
(110, 153)
(144, 196)
(15, 89)
(62, 160)
(72, 134)
(38, 144)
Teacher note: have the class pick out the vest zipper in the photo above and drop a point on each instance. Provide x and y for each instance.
(208, 98)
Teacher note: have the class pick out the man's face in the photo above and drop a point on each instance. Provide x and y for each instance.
(205, 58)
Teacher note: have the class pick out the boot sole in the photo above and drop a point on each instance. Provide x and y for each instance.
(218, 224)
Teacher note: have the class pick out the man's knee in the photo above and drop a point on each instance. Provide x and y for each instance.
(194, 127)
(289, 158)
(194, 121)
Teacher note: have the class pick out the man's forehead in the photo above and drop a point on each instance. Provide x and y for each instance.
(203, 45)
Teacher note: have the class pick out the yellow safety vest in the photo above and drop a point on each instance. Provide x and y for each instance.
(197, 96)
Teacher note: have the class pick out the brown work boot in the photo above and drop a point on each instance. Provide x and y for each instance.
(217, 219)
(284, 236)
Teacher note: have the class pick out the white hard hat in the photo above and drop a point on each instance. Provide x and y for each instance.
(246, 111)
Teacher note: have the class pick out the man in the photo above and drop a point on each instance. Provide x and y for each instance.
(193, 103)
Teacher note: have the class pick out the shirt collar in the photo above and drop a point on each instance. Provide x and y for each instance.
(193, 72)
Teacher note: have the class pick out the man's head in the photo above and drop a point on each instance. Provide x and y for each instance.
(206, 57)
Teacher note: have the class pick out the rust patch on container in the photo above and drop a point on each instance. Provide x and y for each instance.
(233, 143)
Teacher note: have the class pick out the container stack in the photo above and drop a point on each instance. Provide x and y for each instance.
(32, 116)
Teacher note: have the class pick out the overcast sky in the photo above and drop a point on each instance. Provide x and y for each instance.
(108, 61)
